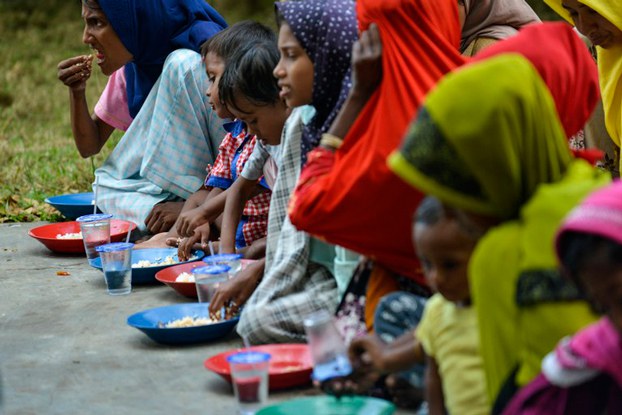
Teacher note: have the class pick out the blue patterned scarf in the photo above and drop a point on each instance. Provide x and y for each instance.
(326, 29)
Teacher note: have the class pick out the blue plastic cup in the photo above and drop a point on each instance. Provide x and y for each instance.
(117, 265)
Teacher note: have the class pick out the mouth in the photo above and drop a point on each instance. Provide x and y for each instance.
(99, 55)
(284, 92)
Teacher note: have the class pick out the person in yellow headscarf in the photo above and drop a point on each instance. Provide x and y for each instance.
(601, 22)
(498, 155)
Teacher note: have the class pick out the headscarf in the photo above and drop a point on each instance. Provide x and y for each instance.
(609, 63)
(599, 214)
(496, 19)
(564, 64)
(361, 205)
(326, 29)
(151, 30)
(501, 152)
(486, 151)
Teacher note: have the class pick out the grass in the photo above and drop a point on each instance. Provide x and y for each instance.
(37, 154)
(38, 157)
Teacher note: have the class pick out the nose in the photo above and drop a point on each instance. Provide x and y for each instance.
(279, 71)
(436, 279)
(86, 35)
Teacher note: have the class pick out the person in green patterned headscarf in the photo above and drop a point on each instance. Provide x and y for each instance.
(498, 155)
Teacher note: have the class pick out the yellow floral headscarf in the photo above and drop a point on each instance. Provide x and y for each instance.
(609, 63)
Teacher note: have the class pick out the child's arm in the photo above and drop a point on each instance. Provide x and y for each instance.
(371, 358)
(208, 211)
(237, 196)
(434, 388)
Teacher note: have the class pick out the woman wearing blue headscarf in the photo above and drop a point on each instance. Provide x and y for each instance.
(156, 93)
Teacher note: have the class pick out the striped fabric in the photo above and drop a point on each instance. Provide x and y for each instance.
(292, 286)
(163, 154)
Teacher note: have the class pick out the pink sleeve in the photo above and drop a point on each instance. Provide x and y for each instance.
(112, 107)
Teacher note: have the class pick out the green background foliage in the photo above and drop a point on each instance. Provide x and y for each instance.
(37, 155)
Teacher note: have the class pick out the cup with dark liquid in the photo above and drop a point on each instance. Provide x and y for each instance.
(249, 373)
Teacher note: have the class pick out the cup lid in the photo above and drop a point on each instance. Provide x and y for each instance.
(115, 246)
(212, 269)
(249, 357)
(222, 257)
(94, 217)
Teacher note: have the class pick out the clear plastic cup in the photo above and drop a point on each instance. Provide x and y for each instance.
(249, 375)
(95, 230)
(117, 265)
(233, 261)
(328, 350)
(208, 279)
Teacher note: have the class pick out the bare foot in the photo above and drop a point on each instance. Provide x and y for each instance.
(156, 241)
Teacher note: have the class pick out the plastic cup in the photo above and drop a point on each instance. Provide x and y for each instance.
(208, 279)
(328, 350)
(95, 232)
(233, 261)
(117, 265)
(249, 374)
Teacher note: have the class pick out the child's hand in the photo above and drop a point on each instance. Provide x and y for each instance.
(186, 245)
(235, 292)
(74, 72)
(190, 220)
(367, 358)
(367, 353)
(367, 62)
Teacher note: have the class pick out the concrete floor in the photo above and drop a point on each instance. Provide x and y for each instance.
(65, 347)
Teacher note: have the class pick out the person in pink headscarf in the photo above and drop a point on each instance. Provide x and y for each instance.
(583, 375)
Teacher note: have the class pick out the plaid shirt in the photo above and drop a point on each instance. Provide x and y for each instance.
(234, 151)
(292, 286)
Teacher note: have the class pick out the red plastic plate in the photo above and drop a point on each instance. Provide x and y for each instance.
(187, 289)
(290, 364)
(46, 234)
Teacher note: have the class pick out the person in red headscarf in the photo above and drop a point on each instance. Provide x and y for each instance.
(350, 197)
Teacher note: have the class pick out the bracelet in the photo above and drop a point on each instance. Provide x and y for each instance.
(332, 141)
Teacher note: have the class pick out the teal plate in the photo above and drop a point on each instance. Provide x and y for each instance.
(329, 405)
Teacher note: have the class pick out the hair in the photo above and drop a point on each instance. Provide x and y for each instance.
(227, 41)
(578, 251)
(430, 212)
(249, 73)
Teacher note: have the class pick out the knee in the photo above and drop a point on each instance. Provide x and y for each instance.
(398, 312)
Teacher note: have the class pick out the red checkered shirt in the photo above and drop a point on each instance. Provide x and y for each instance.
(221, 175)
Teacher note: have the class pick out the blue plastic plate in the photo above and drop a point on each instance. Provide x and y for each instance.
(147, 321)
(73, 205)
(346, 405)
(147, 275)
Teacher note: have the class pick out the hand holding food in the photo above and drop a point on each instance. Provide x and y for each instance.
(74, 72)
